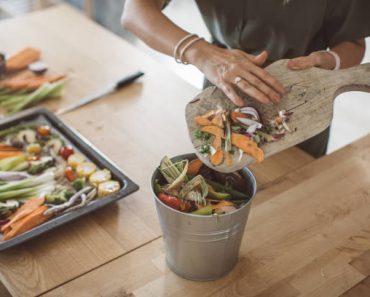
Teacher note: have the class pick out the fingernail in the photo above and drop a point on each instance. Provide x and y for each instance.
(276, 98)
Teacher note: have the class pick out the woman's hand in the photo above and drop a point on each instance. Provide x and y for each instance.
(232, 69)
(319, 59)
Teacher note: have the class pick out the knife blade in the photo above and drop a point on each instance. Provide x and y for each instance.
(107, 90)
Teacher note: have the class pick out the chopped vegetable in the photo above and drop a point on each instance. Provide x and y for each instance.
(6, 208)
(39, 68)
(58, 197)
(66, 151)
(70, 174)
(196, 195)
(79, 183)
(53, 146)
(29, 187)
(202, 121)
(174, 202)
(76, 159)
(28, 207)
(100, 176)
(12, 176)
(33, 148)
(214, 130)
(43, 130)
(41, 165)
(85, 169)
(27, 136)
(202, 135)
(204, 211)
(194, 167)
(217, 195)
(108, 187)
(248, 146)
(10, 163)
(22, 59)
(28, 222)
(217, 158)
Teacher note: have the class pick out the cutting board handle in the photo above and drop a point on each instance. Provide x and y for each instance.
(356, 78)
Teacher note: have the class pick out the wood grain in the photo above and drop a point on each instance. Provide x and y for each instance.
(310, 97)
(134, 127)
(311, 237)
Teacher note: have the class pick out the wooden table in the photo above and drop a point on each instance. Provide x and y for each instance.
(309, 229)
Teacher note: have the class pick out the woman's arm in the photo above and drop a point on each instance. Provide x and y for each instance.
(221, 66)
(351, 53)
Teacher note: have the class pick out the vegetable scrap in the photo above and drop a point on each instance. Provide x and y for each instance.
(42, 176)
(191, 187)
(224, 134)
(21, 88)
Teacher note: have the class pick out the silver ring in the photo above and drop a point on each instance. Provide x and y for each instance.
(237, 80)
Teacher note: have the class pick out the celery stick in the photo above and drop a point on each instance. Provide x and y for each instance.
(8, 164)
(41, 91)
(46, 90)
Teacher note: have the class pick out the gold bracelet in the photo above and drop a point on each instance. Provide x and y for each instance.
(179, 44)
(186, 47)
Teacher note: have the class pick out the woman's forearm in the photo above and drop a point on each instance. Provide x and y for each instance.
(351, 53)
(145, 19)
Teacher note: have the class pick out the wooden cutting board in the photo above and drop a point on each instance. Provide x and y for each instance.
(310, 96)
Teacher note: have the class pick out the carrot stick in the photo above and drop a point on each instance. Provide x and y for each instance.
(28, 207)
(33, 219)
(7, 154)
(22, 59)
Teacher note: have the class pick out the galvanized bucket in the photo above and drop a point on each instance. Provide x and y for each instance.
(203, 248)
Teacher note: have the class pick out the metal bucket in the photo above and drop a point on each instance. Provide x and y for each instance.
(203, 248)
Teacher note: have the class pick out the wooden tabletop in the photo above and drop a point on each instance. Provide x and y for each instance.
(309, 229)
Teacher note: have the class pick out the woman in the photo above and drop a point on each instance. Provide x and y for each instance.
(250, 34)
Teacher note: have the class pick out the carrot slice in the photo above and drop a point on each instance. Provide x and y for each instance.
(194, 167)
(33, 219)
(202, 121)
(22, 59)
(234, 115)
(217, 142)
(217, 121)
(214, 130)
(217, 158)
(28, 207)
(248, 146)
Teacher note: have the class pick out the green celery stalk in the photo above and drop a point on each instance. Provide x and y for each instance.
(46, 90)
(8, 164)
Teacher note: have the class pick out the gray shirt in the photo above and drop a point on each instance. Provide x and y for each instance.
(285, 28)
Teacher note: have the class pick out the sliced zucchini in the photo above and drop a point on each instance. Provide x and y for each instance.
(85, 169)
(75, 159)
(108, 187)
(100, 176)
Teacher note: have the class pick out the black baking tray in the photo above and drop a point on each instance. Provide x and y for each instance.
(81, 144)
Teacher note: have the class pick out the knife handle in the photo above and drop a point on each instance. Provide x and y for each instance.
(128, 79)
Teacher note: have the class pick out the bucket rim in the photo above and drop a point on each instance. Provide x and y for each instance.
(191, 156)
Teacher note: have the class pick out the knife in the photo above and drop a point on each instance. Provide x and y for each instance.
(107, 90)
